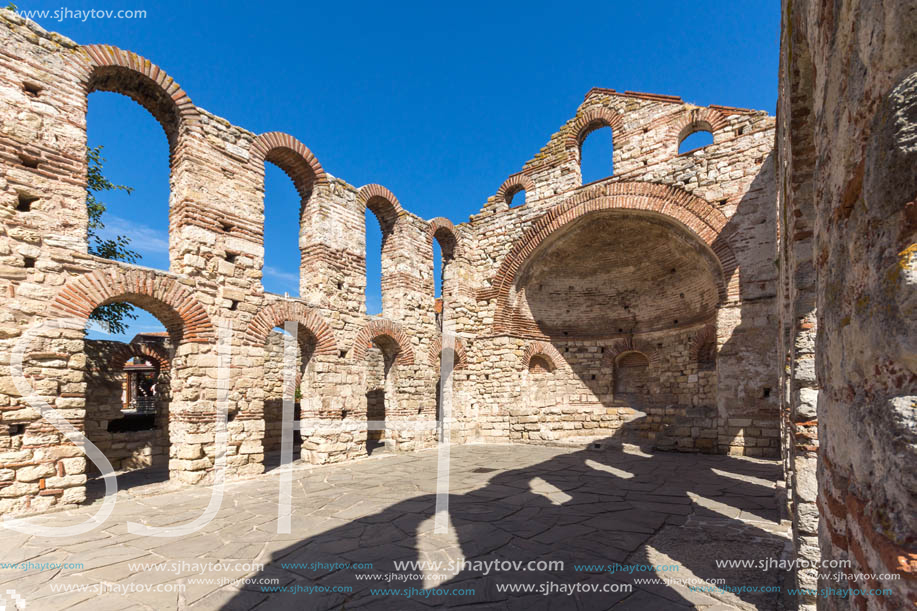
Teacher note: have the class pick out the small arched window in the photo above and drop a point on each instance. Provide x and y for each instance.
(596, 155)
(444, 246)
(694, 140)
(516, 198)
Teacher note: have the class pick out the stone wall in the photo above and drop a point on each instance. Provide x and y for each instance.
(846, 146)
(641, 305)
(671, 256)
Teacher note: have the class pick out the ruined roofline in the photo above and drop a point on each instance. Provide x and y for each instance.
(661, 97)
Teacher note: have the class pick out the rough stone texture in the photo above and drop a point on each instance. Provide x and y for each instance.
(646, 304)
(847, 148)
(672, 321)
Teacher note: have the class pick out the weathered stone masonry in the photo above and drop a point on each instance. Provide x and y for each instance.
(847, 191)
(683, 337)
(706, 301)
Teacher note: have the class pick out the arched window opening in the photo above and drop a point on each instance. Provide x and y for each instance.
(695, 140)
(274, 379)
(128, 186)
(516, 198)
(127, 197)
(444, 245)
(438, 265)
(282, 205)
(127, 405)
(379, 391)
(374, 244)
(596, 160)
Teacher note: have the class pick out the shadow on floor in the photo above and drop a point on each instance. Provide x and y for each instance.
(133, 481)
(586, 509)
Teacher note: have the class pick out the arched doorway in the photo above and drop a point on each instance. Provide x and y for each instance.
(127, 408)
(380, 382)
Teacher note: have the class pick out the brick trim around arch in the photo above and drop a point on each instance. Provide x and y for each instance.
(443, 231)
(146, 351)
(291, 156)
(695, 119)
(130, 74)
(384, 205)
(631, 344)
(436, 347)
(171, 302)
(698, 216)
(383, 327)
(543, 349)
(276, 314)
(589, 121)
(515, 183)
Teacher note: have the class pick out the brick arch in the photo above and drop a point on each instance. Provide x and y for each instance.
(696, 215)
(151, 352)
(512, 185)
(589, 121)
(381, 327)
(382, 203)
(631, 344)
(125, 72)
(276, 314)
(291, 156)
(436, 348)
(443, 231)
(696, 119)
(171, 302)
(544, 350)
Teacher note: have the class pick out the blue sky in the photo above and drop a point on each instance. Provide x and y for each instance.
(439, 102)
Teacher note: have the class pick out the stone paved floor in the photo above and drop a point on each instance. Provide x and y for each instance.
(517, 503)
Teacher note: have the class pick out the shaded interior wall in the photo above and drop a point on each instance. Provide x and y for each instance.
(849, 70)
(795, 230)
(273, 393)
(377, 370)
(588, 395)
(125, 450)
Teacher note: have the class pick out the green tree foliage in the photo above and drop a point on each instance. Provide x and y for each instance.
(116, 249)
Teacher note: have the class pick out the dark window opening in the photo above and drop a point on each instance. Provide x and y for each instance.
(25, 202)
(28, 261)
(29, 162)
(31, 89)
(132, 422)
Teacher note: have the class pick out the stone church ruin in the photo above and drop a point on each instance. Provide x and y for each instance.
(753, 297)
